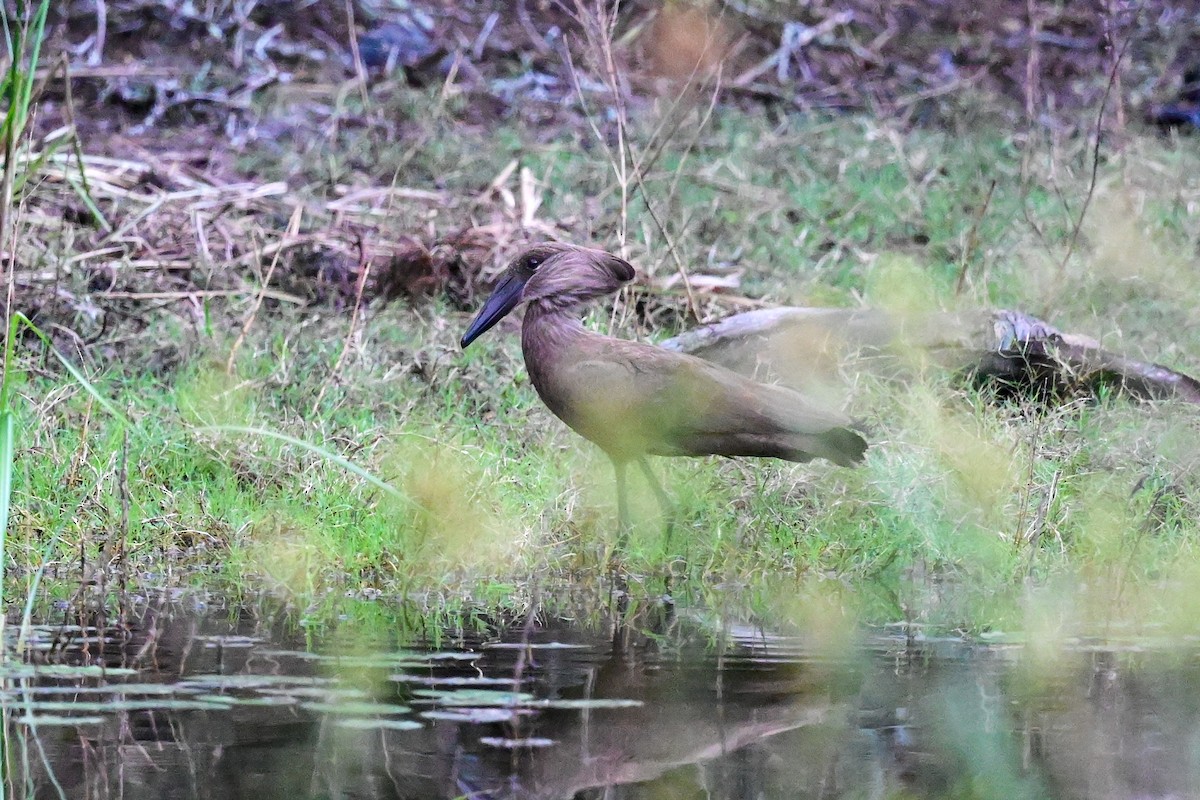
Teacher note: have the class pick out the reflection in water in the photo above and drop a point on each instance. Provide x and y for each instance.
(225, 704)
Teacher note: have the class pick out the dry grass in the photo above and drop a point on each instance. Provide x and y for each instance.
(183, 226)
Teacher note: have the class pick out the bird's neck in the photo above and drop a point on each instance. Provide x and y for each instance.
(550, 339)
(549, 332)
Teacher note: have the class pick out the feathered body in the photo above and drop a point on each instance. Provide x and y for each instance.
(634, 399)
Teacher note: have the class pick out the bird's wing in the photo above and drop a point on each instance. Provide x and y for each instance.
(671, 396)
(718, 400)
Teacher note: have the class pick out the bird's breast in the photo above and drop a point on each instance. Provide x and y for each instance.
(597, 412)
(592, 395)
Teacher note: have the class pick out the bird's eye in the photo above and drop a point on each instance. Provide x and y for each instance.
(533, 262)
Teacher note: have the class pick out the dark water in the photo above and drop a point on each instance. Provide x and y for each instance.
(188, 701)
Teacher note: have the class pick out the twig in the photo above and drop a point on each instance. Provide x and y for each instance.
(198, 293)
(598, 27)
(535, 38)
(1034, 534)
(692, 305)
(110, 71)
(1110, 23)
(1087, 200)
(364, 269)
(1033, 61)
(97, 51)
(973, 239)
(274, 249)
(360, 71)
(114, 545)
(353, 197)
(658, 141)
(599, 30)
(292, 228)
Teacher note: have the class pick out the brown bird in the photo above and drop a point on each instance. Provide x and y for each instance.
(634, 399)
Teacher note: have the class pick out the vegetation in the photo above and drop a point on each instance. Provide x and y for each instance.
(261, 445)
(495, 496)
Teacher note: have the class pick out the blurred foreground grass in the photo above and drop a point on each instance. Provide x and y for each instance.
(969, 515)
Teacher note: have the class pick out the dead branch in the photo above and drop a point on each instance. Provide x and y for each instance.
(803, 345)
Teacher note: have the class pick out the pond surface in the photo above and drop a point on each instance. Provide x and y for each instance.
(186, 700)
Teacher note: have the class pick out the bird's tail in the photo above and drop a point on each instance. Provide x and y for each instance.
(841, 446)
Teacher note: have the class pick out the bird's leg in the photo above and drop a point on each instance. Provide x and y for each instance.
(664, 500)
(623, 525)
(616, 570)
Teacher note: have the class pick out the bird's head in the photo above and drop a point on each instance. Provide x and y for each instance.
(553, 275)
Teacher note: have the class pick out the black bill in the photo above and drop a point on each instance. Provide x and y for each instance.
(504, 299)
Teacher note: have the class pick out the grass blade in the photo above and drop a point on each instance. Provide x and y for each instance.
(87, 385)
(328, 455)
(7, 428)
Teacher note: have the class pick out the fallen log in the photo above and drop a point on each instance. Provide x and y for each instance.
(1016, 351)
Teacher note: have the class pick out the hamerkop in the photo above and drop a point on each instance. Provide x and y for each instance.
(634, 399)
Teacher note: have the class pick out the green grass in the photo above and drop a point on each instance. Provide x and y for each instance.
(501, 498)
(967, 516)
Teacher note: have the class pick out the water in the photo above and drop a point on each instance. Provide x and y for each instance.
(187, 701)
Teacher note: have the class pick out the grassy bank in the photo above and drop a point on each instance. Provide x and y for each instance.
(964, 511)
